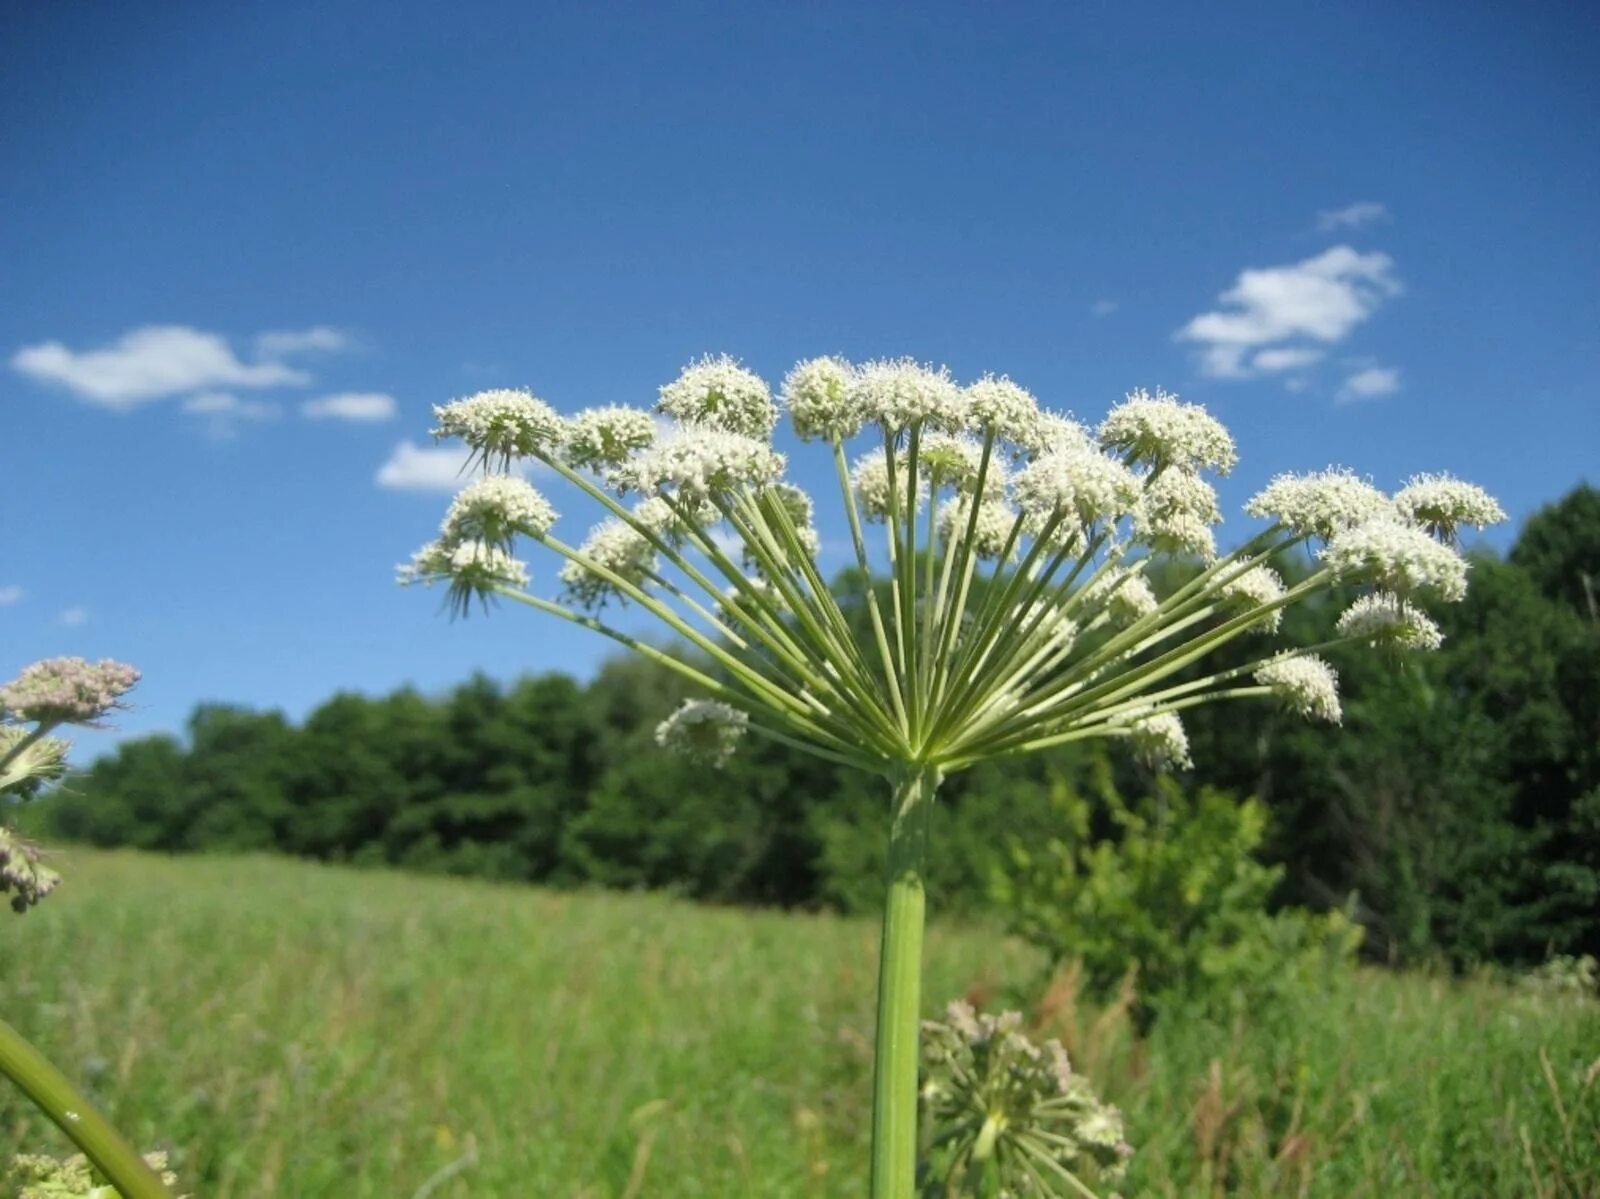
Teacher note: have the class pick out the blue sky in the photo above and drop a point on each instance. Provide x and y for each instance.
(1361, 234)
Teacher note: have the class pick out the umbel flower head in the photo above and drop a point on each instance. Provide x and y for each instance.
(1022, 603)
(38, 1176)
(1001, 1104)
(46, 695)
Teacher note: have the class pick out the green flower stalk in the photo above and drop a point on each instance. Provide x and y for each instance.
(1018, 612)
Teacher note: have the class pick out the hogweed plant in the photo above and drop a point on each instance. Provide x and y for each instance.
(1020, 611)
(44, 698)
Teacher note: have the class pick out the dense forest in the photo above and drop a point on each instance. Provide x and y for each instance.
(1457, 814)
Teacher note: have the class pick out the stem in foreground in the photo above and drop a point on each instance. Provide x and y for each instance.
(55, 1095)
(894, 1098)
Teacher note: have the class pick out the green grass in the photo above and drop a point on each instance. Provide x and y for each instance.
(291, 1030)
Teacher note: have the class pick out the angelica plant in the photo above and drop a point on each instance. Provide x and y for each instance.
(45, 697)
(1020, 610)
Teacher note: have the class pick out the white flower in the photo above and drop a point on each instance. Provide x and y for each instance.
(1176, 512)
(801, 512)
(1397, 557)
(995, 401)
(501, 424)
(719, 393)
(995, 521)
(1126, 596)
(1054, 431)
(604, 437)
(1084, 486)
(897, 393)
(1305, 684)
(1320, 504)
(704, 731)
(1256, 588)
(1158, 430)
(1442, 503)
(67, 690)
(617, 547)
(870, 477)
(494, 508)
(820, 396)
(734, 594)
(1054, 625)
(1385, 618)
(655, 514)
(701, 463)
(951, 459)
(472, 568)
(1161, 741)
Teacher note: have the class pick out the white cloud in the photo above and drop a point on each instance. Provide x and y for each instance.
(149, 363)
(73, 617)
(1289, 358)
(1103, 307)
(223, 412)
(9, 594)
(1321, 299)
(1369, 384)
(278, 343)
(350, 406)
(1362, 212)
(424, 468)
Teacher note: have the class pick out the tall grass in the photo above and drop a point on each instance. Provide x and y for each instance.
(292, 1030)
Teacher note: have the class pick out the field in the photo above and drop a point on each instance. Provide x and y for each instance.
(293, 1030)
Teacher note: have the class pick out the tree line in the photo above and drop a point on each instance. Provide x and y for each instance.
(1456, 814)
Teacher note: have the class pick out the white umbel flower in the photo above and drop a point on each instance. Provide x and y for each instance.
(1160, 740)
(1397, 557)
(701, 463)
(606, 437)
(1305, 684)
(619, 548)
(996, 519)
(898, 393)
(1385, 619)
(1256, 588)
(1443, 503)
(1320, 504)
(950, 459)
(719, 393)
(661, 518)
(496, 507)
(1176, 514)
(870, 478)
(704, 731)
(1160, 431)
(821, 398)
(1125, 595)
(501, 424)
(472, 565)
(998, 403)
(1054, 431)
(1082, 486)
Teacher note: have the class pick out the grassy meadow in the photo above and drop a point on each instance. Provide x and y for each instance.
(294, 1030)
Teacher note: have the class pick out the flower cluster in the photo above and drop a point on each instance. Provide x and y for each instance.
(1002, 1106)
(37, 1176)
(67, 691)
(46, 695)
(703, 731)
(1002, 520)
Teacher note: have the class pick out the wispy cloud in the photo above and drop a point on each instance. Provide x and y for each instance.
(1353, 216)
(1369, 384)
(424, 468)
(1290, 358)
(350, 406)
(280, 343)
(224, 412)
(1322, 299)
(1103, 307)
(9, 594)
(150, 363)
(73, 617)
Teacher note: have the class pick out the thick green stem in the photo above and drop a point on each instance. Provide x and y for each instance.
(55, 1095)
(894, 1098)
